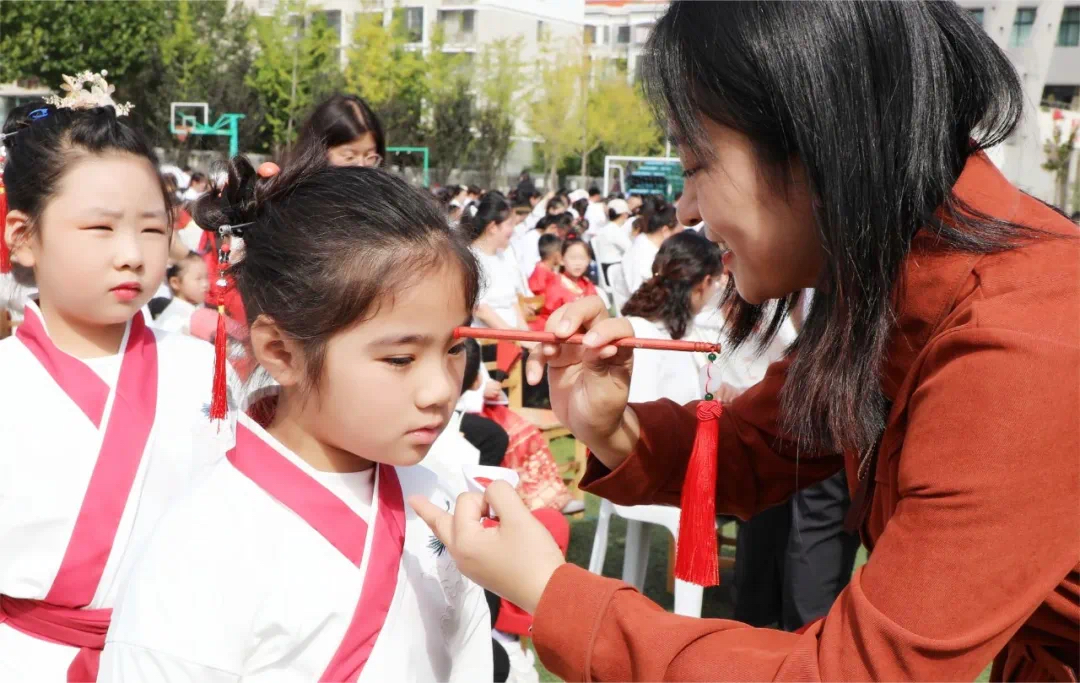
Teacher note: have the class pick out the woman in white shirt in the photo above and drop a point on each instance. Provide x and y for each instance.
(490, 230)
(685, 276)
(637, 264)
(613, 240)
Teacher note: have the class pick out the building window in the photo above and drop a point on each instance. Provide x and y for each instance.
(977, 14)
(458, 24)
(1069, 32)
(1060, 95)
(622, 36)
(1022, 27)
(607, 35)
(590, 35)
(410, 21)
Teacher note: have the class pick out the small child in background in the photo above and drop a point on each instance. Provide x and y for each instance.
(189, 282)
(550, 246)
(569, 285)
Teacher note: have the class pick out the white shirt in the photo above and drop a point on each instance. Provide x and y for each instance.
(744, 367)
(596, 214)
(502, 282)
(190, 235)
(612, 242)
(14, 296)
(638, 261)
(662, 374)
(527, 249)
(538, 212)
(176, 317)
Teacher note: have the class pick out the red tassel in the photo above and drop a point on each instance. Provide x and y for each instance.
(697, 555)
(5, 253)
(219, 405)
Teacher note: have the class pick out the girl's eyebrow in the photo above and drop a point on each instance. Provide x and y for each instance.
(401, 340)
(112, 213)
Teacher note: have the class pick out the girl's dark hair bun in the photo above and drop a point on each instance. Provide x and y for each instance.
(245, 194)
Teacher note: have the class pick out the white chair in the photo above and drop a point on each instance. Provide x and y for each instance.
(688, 596)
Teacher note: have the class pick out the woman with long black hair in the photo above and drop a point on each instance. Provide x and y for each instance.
(839, 146)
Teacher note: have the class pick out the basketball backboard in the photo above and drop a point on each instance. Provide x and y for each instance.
(184, 115)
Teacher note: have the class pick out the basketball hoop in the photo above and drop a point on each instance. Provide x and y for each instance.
(182, 134)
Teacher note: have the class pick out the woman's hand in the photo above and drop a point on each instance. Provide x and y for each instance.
(514, 558)
(589, 384)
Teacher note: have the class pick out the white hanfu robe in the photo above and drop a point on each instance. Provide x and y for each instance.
(93, 452)
(273, 571)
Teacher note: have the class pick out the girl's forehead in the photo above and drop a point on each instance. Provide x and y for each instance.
(111, 182)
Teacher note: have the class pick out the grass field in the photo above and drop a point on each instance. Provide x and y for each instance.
(718, 602)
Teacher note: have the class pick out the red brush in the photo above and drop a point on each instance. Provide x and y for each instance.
(549, 338)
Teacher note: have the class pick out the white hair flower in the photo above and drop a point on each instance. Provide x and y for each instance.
(78, 97)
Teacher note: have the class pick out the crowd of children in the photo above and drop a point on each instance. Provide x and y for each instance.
(236, 483)
(157, 494)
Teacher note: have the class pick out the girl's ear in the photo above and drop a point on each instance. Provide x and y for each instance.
(15, 234)
(174, 283)
(277, 352)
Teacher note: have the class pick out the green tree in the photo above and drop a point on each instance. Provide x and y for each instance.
(498, 73)
(296, 64)
(42, 41)
(618, 120)
(390, 77)
(554, 115)
(185, 53)
(450, 137)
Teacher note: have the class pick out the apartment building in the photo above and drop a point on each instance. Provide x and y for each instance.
(1042, 38)
(616, 31)
(467, 25)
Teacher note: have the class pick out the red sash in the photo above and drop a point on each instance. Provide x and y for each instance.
(345, 530)
(81, 628)
(60, 617)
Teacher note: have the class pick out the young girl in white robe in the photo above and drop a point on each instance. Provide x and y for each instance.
(296, 558)
(99, 413)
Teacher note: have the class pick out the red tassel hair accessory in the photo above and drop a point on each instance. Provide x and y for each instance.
(219, 404)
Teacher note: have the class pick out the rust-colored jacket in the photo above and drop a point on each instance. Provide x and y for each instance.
(974, 523)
